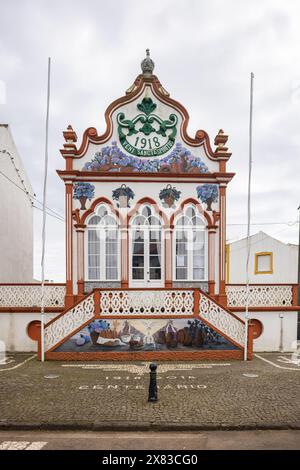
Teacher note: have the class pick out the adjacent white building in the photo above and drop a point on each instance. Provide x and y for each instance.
(273, 274)
(16, 228)
(271, 261)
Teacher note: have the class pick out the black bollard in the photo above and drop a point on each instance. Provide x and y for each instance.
(152, 385)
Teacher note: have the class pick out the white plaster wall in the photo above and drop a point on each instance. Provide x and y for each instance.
(270, 337)
(145, 189)
(13, 330)
(285, 259)
(16, 230)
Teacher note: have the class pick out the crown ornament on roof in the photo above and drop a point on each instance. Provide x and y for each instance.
(147, 64)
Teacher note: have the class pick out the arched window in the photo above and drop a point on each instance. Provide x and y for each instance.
(146, 254)
(190, 246)
(103, 250)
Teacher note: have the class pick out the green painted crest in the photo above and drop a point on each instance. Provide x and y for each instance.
(147, 135)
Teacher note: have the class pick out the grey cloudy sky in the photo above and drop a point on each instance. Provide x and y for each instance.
(204, 51)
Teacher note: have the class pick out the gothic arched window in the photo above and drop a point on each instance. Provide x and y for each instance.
(190, 246)
(103, 245)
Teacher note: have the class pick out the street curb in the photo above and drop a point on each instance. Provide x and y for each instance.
(133, 427)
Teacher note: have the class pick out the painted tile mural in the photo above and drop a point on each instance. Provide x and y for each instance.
(145, 335)
(112, 159)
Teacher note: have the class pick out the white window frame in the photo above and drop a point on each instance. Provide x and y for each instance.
(147, 282)
(102, 229)
(190, 229)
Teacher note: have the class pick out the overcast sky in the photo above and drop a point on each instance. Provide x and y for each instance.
(204, 51)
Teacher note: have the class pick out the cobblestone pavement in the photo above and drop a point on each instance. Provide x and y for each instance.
(192, 396)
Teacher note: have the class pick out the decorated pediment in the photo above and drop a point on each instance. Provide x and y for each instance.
(146, 131)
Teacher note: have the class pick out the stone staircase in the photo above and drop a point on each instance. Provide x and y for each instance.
(142, 304)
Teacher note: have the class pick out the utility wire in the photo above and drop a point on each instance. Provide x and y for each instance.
(261, 239)
(31, 196)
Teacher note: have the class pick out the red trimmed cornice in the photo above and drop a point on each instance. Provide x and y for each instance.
(73, 175)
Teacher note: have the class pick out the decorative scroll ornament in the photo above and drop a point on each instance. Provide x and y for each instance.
(146, 134)
(30, 296)
(142, 303)
(64, 325)
(260, 296)
(222, 320)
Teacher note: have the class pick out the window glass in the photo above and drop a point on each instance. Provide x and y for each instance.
(264, 263)
(190, 246)
(103, 246)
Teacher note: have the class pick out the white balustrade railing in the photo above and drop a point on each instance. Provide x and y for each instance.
(147, 302)
(260, 295)
(221, 319)
(29, 295)
(67, 323)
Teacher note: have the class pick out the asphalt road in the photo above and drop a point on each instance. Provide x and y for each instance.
(210, 440)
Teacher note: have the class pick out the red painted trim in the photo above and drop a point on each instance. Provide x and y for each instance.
(32, 284)
(96, 202)
(196, 302)
(266, 284)
(196, 203)
(208, 355)
(30, 309)
(266, 309)
(69, 308)
(152, 202)
(78, 175)
(222, 306)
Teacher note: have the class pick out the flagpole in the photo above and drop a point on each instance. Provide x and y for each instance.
(44, 220)
(248, 218)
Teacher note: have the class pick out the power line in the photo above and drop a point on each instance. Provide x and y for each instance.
(31, 196)
(263, 223)
(261, 239)
(49, 213)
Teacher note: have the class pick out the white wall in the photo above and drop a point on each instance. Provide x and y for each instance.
(13, 330)
(16, 231)
(285, 260)
(270, 337)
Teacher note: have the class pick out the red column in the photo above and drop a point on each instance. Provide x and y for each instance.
(222, 245)
(211, 258)
(80, 259)
(69, 245)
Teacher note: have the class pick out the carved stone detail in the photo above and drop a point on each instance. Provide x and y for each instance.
(221, 319)
(147, 302)
(30, 296)
(260, 296)
(66, 324)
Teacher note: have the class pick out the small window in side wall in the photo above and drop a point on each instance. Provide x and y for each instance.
(263, 263)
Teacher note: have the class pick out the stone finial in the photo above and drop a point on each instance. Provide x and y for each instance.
(70, 134)
(147, 64)
(220, 141)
